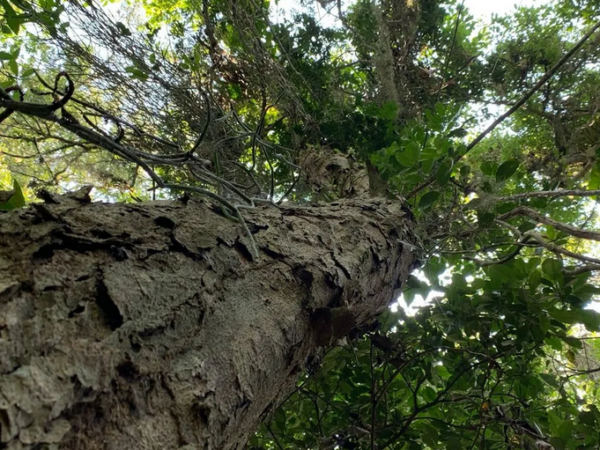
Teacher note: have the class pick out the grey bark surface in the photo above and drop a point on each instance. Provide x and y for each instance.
(149, 326)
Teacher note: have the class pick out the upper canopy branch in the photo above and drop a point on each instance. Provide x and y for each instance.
(550, 194)
(541, 82)
(570, 230)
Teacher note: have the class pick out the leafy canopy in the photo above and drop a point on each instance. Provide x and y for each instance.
(227, 99)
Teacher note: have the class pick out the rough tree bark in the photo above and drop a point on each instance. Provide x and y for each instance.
(148, 326)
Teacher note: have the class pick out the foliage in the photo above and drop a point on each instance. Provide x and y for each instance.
(223, 99)
(15, 199)
(480, 368)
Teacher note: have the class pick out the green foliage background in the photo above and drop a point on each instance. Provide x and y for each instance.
(508, 353)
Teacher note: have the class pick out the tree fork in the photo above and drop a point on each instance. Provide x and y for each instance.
(126, 326)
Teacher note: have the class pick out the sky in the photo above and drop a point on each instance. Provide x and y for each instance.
(483, 9)
(480, 9)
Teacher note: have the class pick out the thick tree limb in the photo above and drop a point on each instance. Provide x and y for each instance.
(146, 326)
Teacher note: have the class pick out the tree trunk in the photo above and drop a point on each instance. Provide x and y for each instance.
(149, 326)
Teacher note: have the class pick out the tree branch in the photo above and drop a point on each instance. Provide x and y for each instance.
(550, 194)
(582, 269)
(559, 250)
(570, 230)
(549, 74)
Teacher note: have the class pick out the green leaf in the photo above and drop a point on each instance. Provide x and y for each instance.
(485, 219)
(552, 268)
(502, 272)
(427, 165)
(428, 393)
(534, 280)
(14, 24)
(4, 56)
(588, 418)
(234, 90)
(504, 207)
(550, 379)
(588, 317)
(443, 174)
(136, 73)
(458, 132)
(434, 122)
(408, 155)
(594, 179)
(544, 323)
(17, 200)
(428, 199)
(507, 170)
(554, 342)
(573, 342)
(488, 168)
(28, 73)
(487, 187)
(123, 29)
(388, 111)
(14, 67)
(7, 8)
(430, 436)
(557, 443)
(565, 430)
